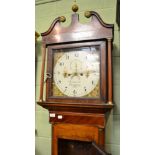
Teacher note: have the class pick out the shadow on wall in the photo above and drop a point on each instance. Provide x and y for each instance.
(37, 152)
(116, 50)
(38, 49)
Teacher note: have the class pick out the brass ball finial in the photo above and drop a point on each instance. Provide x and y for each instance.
(62, 19)
(87, 14)
(75, 8)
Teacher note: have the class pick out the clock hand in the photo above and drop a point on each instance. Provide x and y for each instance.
(87, 73)
(81, 73)
(65, 73)
(76, 72)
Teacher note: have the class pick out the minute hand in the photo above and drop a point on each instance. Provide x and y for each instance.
(88, 72)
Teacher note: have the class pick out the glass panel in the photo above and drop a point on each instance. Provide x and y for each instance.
(73, 147)
(76, 72)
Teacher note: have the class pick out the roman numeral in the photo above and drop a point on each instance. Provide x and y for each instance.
(76, 55)
(74, 92)
(61, 63)
(85, 88)
(65, 88)
(67, 57)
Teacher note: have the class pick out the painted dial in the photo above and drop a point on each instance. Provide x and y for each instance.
(76, 73)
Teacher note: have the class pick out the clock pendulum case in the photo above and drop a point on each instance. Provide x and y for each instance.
(78, 83)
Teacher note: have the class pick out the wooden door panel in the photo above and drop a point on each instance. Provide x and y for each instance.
(73, 132)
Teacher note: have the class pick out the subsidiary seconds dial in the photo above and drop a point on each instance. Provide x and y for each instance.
(76, 73)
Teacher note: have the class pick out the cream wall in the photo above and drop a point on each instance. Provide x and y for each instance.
(45, 14)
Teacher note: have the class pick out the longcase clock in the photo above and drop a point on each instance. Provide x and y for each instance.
(78, 82)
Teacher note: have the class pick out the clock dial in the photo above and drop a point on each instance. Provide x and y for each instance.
(77, 73)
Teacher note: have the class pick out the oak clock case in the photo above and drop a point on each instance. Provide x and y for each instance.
(77, 80)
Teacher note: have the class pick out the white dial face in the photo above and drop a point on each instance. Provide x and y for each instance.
(76, 73)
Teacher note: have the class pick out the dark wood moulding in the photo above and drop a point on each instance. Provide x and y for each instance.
(77, 107)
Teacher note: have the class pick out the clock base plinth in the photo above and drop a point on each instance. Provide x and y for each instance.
(74, 130)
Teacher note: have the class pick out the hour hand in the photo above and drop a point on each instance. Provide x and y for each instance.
(66, 74)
